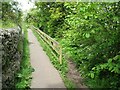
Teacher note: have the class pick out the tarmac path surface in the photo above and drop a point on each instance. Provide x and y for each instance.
(45, 74)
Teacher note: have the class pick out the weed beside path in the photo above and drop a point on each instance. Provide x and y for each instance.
(24, 75)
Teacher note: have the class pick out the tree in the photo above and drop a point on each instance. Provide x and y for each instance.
(89, 34)
(11, 12)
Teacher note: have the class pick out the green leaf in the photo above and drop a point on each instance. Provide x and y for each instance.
(87, 35)
(93, 31)
(20, 75)
(93, 68)
(110, 60)
(92, 75)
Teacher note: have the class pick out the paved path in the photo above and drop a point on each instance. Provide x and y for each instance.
(45, 75)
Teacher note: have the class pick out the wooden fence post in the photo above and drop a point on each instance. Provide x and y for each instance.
(60, 57)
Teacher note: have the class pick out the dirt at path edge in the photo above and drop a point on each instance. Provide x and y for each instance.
(74, 75)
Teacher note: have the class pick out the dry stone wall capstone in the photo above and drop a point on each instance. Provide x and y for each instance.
(10, 55)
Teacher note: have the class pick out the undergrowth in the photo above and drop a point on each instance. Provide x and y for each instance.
(7, 24)
(24, 75)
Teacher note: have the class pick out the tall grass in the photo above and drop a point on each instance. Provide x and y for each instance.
(24, 75)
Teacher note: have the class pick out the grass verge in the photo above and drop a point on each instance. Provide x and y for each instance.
(63, 68)
(24, 75)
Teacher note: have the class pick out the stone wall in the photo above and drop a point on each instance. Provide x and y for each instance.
(11, 55)
(0, 62)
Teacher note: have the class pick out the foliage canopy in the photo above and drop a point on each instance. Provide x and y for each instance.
(89, 34)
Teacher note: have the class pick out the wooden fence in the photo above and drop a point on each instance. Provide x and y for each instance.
(52, 43)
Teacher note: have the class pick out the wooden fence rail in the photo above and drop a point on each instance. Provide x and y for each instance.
(52, 43)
